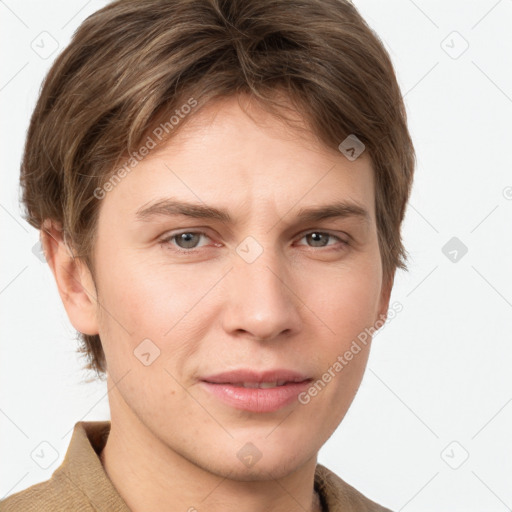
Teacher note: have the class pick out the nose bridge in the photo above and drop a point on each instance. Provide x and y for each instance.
(260, 297)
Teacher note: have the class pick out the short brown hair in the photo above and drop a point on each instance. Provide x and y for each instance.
(130, 65)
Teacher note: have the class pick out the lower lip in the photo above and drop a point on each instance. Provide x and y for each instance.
(256, 399)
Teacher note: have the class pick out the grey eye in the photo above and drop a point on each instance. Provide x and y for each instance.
(187, 240)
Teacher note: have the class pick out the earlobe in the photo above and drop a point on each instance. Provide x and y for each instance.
(73, 278)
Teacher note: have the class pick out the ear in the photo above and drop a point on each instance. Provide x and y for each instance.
(73, 277)
(385, 295)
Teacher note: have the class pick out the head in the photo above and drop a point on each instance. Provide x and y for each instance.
(239, 109)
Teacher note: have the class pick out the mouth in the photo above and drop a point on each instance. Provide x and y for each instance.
(257, 391)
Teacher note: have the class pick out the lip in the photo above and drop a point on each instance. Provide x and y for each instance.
(226, 387)
(252, 376)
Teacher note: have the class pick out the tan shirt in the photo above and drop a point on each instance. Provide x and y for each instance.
(81, 484)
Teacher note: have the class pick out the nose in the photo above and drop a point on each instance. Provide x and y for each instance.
(260, 301)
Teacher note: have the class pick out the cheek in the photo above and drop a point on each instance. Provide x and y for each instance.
(345, 308)
(145, 297)
(346, 301)
(166, 305)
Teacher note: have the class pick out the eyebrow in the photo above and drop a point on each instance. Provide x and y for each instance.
(172, 207)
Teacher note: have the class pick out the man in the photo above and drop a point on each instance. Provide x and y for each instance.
(219, 187)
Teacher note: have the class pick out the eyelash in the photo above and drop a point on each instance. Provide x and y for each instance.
(165, 242)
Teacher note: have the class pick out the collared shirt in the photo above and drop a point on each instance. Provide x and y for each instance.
(81, 484)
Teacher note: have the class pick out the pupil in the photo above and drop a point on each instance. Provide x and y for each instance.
(186, 238)
(318, 237)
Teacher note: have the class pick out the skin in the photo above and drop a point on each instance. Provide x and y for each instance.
(299, 305)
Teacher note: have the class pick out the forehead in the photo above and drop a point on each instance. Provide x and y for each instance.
(244, 161)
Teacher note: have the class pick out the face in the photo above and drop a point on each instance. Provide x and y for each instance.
(250, 282)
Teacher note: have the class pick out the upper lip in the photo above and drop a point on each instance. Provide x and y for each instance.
(251, 376)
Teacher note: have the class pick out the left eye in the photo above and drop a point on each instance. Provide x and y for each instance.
(322, 238)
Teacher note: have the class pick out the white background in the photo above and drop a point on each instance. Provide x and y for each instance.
(439, 373)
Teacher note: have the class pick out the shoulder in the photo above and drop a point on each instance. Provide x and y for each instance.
(338, 495)
(79, 484)
(55, 494)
